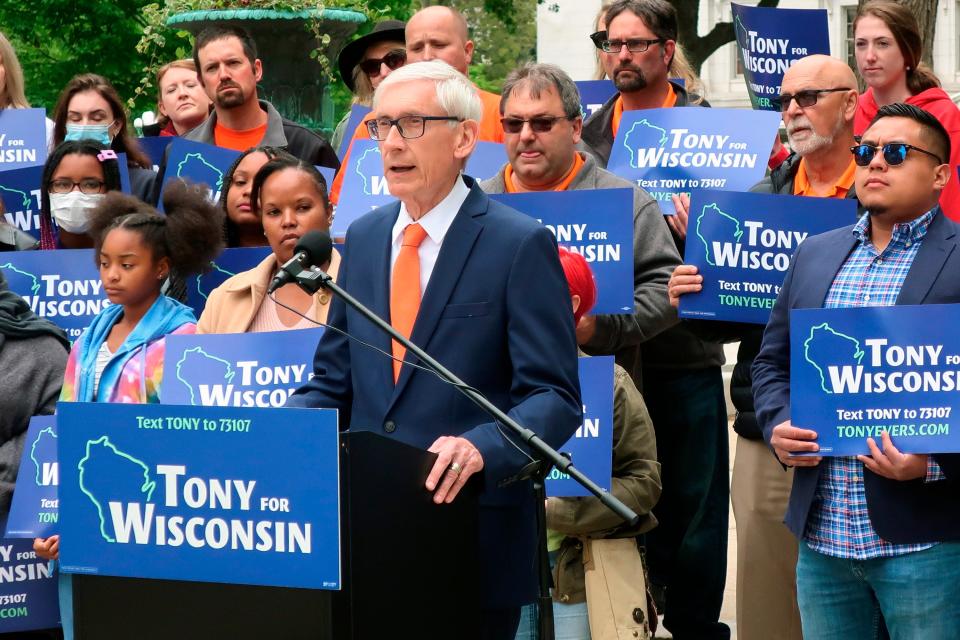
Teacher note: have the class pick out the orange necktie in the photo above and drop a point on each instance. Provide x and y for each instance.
(405, 290)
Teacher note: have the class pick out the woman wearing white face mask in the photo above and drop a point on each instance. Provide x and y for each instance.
(76, 176)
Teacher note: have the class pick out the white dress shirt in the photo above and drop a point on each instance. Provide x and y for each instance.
(435, 222)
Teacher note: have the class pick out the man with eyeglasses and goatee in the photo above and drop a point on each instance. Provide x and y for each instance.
(542, 124)
(818, 100)
(878, 534)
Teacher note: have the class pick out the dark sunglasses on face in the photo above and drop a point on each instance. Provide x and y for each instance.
(394, 60)
(894, 153)
(539, 124)
(805, 98)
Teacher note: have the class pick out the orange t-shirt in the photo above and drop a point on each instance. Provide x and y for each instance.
(669, 101)
(238, 140)
(802, 186)
(490, 131)
(563, 186)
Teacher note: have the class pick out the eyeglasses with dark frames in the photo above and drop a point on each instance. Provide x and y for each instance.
(408, 127)
(634, 45)
(805, 98)
(88, 186)
(894, 153)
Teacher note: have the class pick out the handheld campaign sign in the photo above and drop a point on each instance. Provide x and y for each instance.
(212, 494)
(593, 95)
(28, 588)
(238, 369)
(62, 286)
(365, 187)
(200, 163)
(155, 147)
(742, 244)
(769, 40)
(678, 150)
(597, 224)
(591, 447)
(23, 138)
(20, 191)
(34, 510)
(855, 373)
(230, 262)
(357, 113)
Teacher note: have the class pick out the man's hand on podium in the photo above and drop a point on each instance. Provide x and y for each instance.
(457, 460)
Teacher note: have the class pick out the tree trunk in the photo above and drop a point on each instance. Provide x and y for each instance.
(698, 48)
(925, 11)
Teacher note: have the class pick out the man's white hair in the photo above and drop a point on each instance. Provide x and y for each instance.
(456, 95)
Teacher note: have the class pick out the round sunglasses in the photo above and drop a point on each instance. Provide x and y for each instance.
(894, 153)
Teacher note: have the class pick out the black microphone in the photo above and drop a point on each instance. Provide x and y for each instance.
(314, 248)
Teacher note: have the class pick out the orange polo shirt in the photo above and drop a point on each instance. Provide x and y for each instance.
(802, 186)
(238, 140)
(669, 101)
(563, 186)
(490, 131)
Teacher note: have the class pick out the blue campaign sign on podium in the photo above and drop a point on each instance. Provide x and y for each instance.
(742, 244)
(598, 224)
(229, 263)
(591, 447)
(210, 494)
(23, 138)
(238, 369)
(62, 286)
(365, 187)
(28, 588)
(770, 40)
(679, 150)
(34, 509)
(855, 373)
(200, 163)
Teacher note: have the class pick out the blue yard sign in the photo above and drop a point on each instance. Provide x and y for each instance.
(23, 138)
(62, 286)
(28, 588)
(680, 150)
(34, 510)
(155, 147)
(769, 40)
(591, 447)
(855, 373)
(229, 263)
(742, 244)
(20, 191)
(594, 94)
(357, 113)
(239, 369)
(211, 494)
(199, 163)
(598, 224)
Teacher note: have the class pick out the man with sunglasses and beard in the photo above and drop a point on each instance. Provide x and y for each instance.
(228, 69)
(540, 106)
(877, 533)
(818, 101)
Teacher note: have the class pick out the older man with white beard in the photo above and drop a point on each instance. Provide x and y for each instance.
(818, 99)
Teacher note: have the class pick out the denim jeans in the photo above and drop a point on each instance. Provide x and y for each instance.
(570, 622)
(914, 594)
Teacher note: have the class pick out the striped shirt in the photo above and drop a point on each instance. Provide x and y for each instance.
(839, 523)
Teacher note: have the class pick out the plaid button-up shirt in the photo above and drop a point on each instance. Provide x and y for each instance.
(839, 524)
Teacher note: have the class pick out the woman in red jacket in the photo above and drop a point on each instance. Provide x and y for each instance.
(888, 46)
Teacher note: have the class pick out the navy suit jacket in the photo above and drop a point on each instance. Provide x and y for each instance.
(901, 512)
(496, 312)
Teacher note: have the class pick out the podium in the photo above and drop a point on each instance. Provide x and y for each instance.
(409, 569)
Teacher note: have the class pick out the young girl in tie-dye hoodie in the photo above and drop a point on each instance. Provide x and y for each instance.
(119, 357)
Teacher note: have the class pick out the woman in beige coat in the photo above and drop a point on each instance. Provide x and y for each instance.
(290, 197)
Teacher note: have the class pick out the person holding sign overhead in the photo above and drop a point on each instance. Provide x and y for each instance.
(480, 286)
(290, 198)
(878, 534)
(888, 46)
(818, 100)
(542, 125)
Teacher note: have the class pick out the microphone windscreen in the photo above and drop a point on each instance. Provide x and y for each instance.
(317, 245)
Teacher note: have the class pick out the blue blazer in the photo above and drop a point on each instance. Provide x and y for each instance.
(497, 313)
(901, 512)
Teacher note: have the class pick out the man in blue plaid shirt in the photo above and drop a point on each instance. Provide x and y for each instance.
(878, 533)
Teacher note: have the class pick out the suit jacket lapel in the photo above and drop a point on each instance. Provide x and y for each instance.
(380, 258)
(454, 252)
(933, 253)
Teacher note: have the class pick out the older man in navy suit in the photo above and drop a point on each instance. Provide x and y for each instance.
(878, 533)
(480, 287)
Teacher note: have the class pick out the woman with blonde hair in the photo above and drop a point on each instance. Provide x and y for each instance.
(12, 91)
(181, 100)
